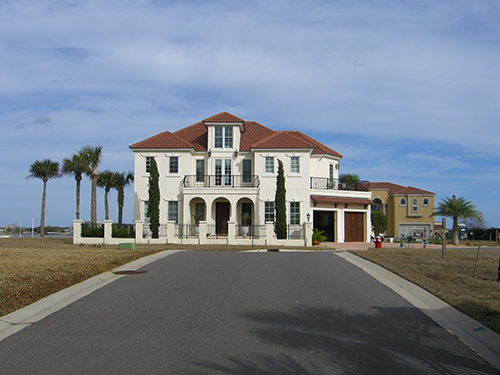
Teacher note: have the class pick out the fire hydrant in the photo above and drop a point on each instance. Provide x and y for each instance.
(378, 242)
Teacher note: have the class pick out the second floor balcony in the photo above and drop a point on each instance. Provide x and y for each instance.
(334, 184)
(222, 181)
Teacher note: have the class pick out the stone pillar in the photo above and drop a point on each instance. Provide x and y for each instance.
(77, 232)
(171, 232)
(308, 233)
(340, 226)
(269, 233)
(203, 233)
(138, 231)
(108, 232)
(231, 232)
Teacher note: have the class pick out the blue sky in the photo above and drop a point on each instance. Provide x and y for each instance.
(408, 91)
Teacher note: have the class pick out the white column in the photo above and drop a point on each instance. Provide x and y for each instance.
(308, 233)
(203, 232)
(138, 231)
(269, 233)
(231, 231)
(368, 225)
(171, 232)
(340, 226)
(77, 232)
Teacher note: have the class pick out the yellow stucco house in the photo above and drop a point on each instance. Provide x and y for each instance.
(408, 209)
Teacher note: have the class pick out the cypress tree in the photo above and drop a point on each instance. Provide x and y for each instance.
(280, 203)
(154, 199)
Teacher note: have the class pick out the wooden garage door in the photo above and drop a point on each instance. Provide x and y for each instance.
(354, 226)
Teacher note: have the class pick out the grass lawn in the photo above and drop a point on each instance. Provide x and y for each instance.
(451, 279)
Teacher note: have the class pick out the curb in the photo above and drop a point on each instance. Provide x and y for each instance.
(479, 338)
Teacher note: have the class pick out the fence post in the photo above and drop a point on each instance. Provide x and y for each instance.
(171, 232)
(231, 232)
(203, 233)
(77, 232)
(138, 231)
(308, 233)
(108, 231)
(269, 233)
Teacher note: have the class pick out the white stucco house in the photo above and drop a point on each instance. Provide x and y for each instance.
(224, 169)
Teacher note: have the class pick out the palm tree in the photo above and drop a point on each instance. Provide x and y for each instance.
(92, 157)
(106, 180)
(457, 209)
(349, 181)
(75, 166)
(45, 170)
(121, 181)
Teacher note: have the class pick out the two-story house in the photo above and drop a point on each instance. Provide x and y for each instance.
(223, 168)
(408, 209)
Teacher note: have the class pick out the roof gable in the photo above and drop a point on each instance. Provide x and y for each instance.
(254, 135)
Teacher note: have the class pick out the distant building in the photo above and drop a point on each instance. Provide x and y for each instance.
(408, 209)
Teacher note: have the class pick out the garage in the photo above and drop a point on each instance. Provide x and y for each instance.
(354, 226)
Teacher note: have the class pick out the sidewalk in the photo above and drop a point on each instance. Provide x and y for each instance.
(368, 245)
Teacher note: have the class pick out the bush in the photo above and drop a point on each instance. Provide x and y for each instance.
(318, 236)
(89, 230)
(125, 232)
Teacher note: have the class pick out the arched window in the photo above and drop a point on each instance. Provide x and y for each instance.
(402, 202)
(426, 201)
(377, 205)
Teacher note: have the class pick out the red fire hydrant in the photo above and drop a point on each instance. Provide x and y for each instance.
(378, 242)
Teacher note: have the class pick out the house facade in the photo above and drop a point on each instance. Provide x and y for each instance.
(408, 209)
(223, 170)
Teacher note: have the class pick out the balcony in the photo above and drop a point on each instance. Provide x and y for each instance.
(221, 181)
(322, 183)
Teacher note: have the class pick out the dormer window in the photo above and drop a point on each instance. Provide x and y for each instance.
(223, 137)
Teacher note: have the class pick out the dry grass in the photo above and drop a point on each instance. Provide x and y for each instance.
(451, 279)
(33, 268)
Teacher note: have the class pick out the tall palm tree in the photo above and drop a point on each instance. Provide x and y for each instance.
(75, 166)
(92, 156)
(45, 170)
(121, 181)
(457, 209)
(106, 180)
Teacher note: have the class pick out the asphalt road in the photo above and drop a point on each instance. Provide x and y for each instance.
(240, 313)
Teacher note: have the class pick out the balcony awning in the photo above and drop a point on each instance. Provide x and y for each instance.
(325, 199)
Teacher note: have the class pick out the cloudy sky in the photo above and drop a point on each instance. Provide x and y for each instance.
(407, 90)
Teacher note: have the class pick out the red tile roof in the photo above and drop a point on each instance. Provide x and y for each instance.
(395, 189)
(325, 199)
(254, 135)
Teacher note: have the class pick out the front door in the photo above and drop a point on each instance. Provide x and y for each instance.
(221, 217)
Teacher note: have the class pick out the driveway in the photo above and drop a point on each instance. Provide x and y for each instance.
(240, 313)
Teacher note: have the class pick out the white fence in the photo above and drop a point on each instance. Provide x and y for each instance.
(172, 233)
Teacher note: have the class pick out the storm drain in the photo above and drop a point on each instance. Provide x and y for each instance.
(129, 272)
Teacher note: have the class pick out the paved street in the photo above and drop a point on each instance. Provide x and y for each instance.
(240, 313)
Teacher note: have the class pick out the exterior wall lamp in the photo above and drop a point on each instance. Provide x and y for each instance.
(209, 153)
(308, 216)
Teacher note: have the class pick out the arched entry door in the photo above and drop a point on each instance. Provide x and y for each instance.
(222, 209)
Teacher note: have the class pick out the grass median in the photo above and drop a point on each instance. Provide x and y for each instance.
(452, 279)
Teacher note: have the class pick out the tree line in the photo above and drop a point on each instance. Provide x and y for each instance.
(84, 162)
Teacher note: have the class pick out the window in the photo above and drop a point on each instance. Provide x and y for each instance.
(402, 202)
(269, 164)
(223, 137)
(246, 209)
(294, 213)
(414, 205)
(377, 205)
(331, 181)
(173, 211)
(269, 212)
(227, 172)
(174, 164)
(199, 209)
(426, 201)
(148, 163)
(146, 218)
(200, 170)
(247, 170)
(294, 164)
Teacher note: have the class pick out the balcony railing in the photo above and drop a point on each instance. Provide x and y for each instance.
(224, 181)
(334, 184)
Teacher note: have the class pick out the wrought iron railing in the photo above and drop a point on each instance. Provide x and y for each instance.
(227, 181)
(335, 184)
(248, 231)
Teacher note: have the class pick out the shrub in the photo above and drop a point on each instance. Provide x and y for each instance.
(318, 236)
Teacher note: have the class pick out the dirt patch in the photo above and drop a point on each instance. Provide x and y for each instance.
(451, 279)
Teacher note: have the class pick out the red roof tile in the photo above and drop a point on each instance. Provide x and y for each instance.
(395, 189)
(325, 199)
(254, 135)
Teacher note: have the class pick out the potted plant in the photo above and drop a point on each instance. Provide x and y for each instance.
(197, 218)
(246, 220)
